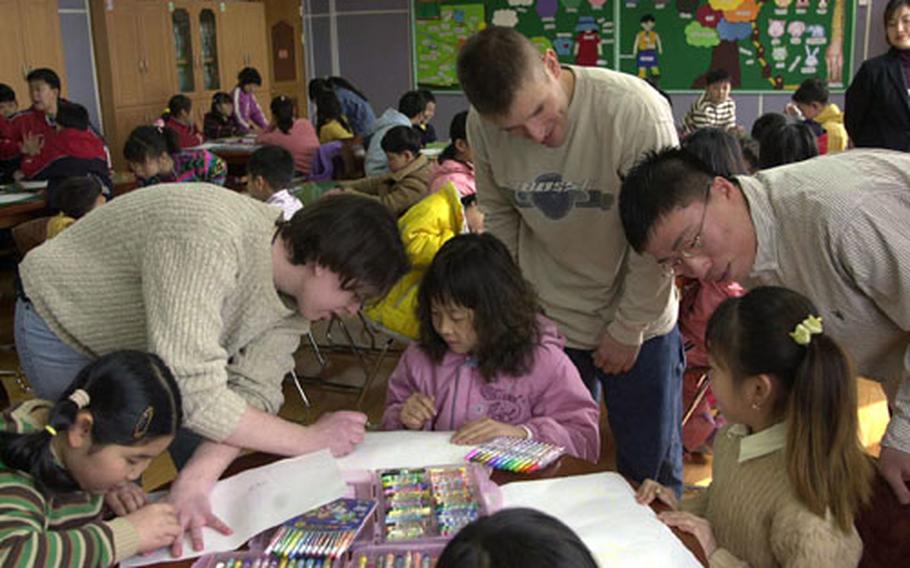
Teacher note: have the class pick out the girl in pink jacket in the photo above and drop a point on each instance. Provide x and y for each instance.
(456, 163)
(486, 363)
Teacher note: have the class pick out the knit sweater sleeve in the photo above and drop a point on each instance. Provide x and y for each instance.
(802, 539)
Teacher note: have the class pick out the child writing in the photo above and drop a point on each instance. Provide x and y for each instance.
(295, 135)
(221, 122)
(714, 107)
(487, 364)
(75, 198)
(178, 116)
(246, 107)
(154, 156)
(789, 473)
(456, 163)
(331, 123)
(269, 174)
(62, 461)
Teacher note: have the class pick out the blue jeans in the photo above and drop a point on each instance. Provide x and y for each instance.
(644, 407)
(49, 364)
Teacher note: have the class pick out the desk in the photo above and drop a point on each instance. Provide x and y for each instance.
(564, 467)
(22, 209)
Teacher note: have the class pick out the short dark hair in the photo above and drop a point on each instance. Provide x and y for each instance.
(249, 76)
(786, 144)
(274, 164)
(492, 65)
(767, 122)
(660, 182)
(718, 149)
(411, 104)
(717, 76)
(72, 115)
(328, 108)
(76, 196)
(400, 139)
(477, 272)
(220, 98)
(133, 399)
(647, 18)
(7, 94)
(458, 130)
(176, 105)
(49, 76)
(354, 237)
(892, 7)
(518, 537)
(428, 95)
(148, 142)
(750, 149)
(811, 91)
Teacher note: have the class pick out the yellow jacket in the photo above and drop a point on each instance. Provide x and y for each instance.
(424, 228)
(832, 120)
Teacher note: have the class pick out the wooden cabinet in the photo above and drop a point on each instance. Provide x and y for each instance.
(29, 38)
(286, 56)
(196, 32)
(244, 24)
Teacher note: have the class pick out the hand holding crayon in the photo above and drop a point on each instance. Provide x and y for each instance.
(417, 409)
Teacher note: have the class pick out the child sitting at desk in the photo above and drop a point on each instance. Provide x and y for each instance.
(456, 163)
(487, 364)
(154, 156)
(269, 173)
(789, 473)
(410, 174)
(63, 461)
(9, 149)
(75, 198)
(178, 116)
(295, 135)
(331, 123)
(246, 107)
(221, 122)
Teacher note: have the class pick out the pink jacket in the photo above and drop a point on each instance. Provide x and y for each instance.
(698, 301)
(459, 173)
(551, 400)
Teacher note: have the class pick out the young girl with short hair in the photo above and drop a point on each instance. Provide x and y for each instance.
(789, 473)
(178, 116)
(246, 107)
(295, 135)
(487, 363)
(456, 163)
(154, 156)
(61, 462)
(221, 121)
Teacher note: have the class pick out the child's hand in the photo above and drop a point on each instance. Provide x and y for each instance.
(340, 431)
(31, 144)
(125, 499)
(417, 409)
(484, 430)
(156, 524)
(697, 526)
(650, 490)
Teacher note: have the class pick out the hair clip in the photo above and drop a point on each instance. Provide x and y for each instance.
(167, 110)
(804, 330)
(142, 425)
(80, 397)
(50, 430)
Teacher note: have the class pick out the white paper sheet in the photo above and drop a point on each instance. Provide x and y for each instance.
(14, 197)
(601, 509)
(403, 448)
(257, 499)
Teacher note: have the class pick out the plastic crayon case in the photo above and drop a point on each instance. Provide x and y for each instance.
(397, 555)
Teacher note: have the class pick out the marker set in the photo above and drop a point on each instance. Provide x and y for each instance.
(427, 502)
(323, 533)
(515, 454)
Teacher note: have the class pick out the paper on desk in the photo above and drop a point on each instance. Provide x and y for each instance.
(257, 499)
(14, 197)
(404, 448)
(601, 509)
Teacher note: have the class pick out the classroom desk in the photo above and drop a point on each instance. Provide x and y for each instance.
(564, 467)
(14, 212)
(309, 191)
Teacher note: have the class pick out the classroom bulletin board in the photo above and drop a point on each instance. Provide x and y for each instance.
(765, 45)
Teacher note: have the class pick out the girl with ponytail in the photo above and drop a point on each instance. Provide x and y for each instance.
(295, 135)
(154, 156)
(789, 473)
(60, 462)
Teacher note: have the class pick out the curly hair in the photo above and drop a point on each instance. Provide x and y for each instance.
(477, 272)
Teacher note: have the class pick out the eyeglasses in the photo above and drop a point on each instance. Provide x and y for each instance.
(690, 249)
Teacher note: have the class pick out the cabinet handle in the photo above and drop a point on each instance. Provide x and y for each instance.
(139, 64)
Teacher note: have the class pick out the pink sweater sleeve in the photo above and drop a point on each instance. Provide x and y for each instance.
(402, 384)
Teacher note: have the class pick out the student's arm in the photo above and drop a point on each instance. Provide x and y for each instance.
(857, 100)
(731, 123)
(368, 185)
(32, 165)
(408, 191)
(239, 110)
(402, 384)
(256, 115)
(214, 169)
(502, 220)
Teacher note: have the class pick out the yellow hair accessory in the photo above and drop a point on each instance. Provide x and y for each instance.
(51, 430)
(804, 330)
(167, 110)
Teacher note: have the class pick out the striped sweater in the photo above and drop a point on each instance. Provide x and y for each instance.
(38, 529)
(704, 114)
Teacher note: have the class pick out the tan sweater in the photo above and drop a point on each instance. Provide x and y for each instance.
(184, 271)
(756, 518)
(400, 190)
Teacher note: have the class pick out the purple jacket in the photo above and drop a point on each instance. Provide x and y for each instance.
(551, 400)
(247, 110)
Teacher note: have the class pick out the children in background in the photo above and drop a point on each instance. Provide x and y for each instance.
(789, 473)
(268, 175)
(749, 147)
(410, 174)
(331, 123)
(768, 122)
(36, 124)
(73, 151)
(517, 538)
(714, 107)
(456, 163)
(8, 104)
(792, 142)
(74, 197)
(9, 149)
(246, 107)
(221, 122)
(811, 99)
(354, 104)
(296, 135)
(429, 111)
(424, 228)
(62, 461)
(410, 112)
(487, 363)
(154, 156)
(178, 116)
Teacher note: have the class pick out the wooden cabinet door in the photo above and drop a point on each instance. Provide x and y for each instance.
(126, 53)
(159, 78)
(41, 34)
(127, 120)
(233, 49)
(256, 43)
(12, 53)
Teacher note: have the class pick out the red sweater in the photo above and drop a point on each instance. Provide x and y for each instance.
(9, 148)
(188, 135)
(68, 143)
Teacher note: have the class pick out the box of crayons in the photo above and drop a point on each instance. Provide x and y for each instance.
(420, 555)
(515, 454)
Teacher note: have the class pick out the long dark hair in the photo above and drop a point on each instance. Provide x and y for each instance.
(283, 112)
(458, 130)
(328, 108)
(133, 398)
(341, 82)
(826, 464)
(176, 105)
(149, 142)
(477, 272)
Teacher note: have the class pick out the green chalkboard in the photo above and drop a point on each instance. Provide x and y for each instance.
(765, 45)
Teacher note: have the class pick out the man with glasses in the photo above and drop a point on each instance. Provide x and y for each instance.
(834, 228)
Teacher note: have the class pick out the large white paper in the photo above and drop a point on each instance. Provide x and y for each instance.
(601, 509)
(257, 499)
(14, 197)
(404, 448)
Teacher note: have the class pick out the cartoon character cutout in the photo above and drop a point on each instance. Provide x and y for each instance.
(597, 4)
(587, 42)
(647, 48)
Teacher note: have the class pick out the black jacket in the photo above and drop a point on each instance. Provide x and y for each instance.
(877, 112)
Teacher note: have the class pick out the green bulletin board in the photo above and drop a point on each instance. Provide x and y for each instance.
(765, 45)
